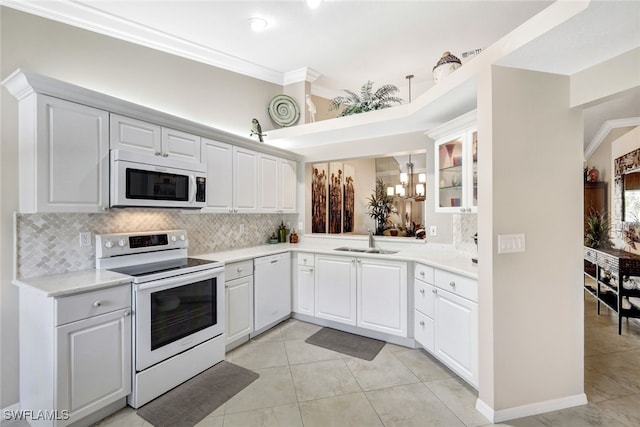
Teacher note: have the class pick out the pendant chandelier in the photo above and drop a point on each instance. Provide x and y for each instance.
(408, 188)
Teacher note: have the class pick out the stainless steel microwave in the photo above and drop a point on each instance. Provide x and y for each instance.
(138, 179)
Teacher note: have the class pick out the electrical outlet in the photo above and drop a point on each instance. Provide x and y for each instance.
(241, 228)
(288, 225)
(433, 230)
(85, 239)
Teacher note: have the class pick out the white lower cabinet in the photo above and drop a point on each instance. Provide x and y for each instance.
(364, 292)
(335, 291)
(456, 334)
(304, 285)
(382, 296)
(239, 302)
(75, 354)
(446, 319)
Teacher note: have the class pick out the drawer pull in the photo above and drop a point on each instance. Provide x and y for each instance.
(273, 261)
(422, 323)
(422, 273)
(239, 269)
(422, 291)
(452, 283)
(97, 303)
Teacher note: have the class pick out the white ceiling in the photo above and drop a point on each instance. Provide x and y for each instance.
(347, 42)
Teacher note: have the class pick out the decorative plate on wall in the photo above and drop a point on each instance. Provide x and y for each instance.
(284, 110)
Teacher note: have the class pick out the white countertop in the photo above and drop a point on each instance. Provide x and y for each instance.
(57, 285)
(440, 256)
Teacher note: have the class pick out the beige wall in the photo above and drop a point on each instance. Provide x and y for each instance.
(530, 177)
(178, 86)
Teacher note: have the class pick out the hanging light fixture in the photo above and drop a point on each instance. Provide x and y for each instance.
(407, 188)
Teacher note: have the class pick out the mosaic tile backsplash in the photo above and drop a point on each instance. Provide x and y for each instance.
(49, 243)
(464, 227)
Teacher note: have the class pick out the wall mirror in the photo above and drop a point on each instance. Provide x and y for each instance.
(340, 193)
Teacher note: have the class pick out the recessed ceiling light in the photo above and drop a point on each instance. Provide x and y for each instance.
(258, 24)
(313, 4)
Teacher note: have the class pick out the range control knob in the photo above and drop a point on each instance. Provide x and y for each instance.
(182, 237)
(108, 244)
(173, 238)
(121, 243)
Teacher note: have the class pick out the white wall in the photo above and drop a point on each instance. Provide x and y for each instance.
(195, 91)
(530, 177)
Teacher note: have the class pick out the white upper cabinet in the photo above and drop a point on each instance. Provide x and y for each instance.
(64, 156)
(456, 165)
(287, 176)
(245, 180)
(268, 183)
(219, 159)
(277, 184)
(180, 145)
(137, 135)
(241, 180)
(232, 177)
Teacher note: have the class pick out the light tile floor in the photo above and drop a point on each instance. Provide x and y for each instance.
(304, 385)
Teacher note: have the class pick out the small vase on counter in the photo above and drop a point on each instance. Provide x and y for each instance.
(293, 237)
(282, 233)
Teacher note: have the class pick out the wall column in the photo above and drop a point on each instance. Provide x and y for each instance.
(531, 303)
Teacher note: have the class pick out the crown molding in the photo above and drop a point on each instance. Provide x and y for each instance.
(304, 74)
(607, 127)
(324, 92)
(89, 18)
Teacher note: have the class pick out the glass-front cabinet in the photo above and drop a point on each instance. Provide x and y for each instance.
(456, 166)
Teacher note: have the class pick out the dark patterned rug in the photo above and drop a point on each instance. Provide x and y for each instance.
(193, 400)
(346, 343)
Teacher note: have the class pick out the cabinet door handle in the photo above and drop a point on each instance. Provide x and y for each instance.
(239, 269)
(422, 273)
(422, 291)
(165, 155)
(97, 303)
(359, 260)
(422, 323)
(353, 261)
(461, 209)
(126, 313)
(452, 283)
(157, 153)
(435, 291)
(468, 209)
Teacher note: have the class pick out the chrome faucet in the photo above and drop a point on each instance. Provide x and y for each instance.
(372, 243)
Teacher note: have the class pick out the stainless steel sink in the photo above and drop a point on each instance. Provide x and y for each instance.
(345, 249)
(380, 251)
(368, 251)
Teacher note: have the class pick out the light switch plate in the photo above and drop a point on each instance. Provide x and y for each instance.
(511, 243)
(433, 230)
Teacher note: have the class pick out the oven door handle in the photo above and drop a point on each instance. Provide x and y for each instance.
(184, 279)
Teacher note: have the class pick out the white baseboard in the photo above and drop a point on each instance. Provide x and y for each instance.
(530, 408)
